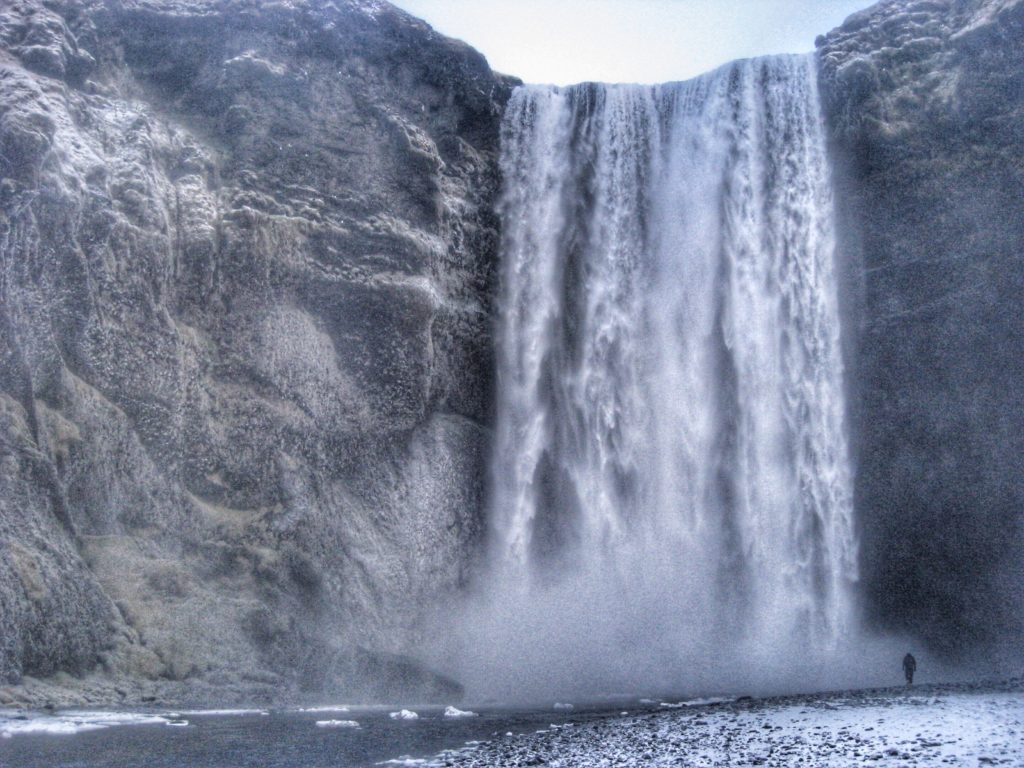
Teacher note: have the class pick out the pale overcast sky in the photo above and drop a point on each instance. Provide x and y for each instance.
(641, 41)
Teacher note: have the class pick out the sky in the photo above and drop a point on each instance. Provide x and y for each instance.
(632, 41)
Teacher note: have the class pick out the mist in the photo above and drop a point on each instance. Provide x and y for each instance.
(671, 497)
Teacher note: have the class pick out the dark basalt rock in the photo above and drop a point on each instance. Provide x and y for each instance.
(926, 104)
(247, 265)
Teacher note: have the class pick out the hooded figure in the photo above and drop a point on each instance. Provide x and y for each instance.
(909, 667)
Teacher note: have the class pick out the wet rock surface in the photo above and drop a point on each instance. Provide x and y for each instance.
(247, 257)
(925, 100)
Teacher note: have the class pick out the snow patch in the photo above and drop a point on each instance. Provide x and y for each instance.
(405, 714)
(453, 712)
(337, 724)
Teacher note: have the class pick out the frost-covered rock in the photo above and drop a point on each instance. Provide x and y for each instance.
(247, 255)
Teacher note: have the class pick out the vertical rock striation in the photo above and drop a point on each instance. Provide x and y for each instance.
(247, 256)
(926, 104)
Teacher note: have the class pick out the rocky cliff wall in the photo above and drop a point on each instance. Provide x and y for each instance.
(926, 104)
(247, 256)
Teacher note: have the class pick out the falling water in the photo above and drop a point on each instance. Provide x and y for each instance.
(671, 500)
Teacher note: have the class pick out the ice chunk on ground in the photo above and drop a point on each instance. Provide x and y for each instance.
(337, 724)
(453, 712)
(406, 761)
(405, 714)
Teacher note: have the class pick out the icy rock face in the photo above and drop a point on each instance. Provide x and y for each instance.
(246, 268)
(926, 104)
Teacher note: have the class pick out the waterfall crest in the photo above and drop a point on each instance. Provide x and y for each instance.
(671, 490)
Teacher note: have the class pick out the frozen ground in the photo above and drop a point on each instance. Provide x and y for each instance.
(975, 725)
(933, 726)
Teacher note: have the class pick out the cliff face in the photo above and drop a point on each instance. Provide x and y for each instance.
(247, 254)
(926, 104)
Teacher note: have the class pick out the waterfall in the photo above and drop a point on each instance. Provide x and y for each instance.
(671, 488)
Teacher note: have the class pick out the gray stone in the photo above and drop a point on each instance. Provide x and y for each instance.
(247, 265)
(926, 105)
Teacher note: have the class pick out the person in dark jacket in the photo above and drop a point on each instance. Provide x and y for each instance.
(909, 667)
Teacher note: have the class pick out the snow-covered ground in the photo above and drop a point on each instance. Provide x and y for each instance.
(933, 726)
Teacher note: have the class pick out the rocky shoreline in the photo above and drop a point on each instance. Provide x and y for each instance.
(952, 724)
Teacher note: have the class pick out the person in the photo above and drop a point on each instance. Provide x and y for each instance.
(909, 667)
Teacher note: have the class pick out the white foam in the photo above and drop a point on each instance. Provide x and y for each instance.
(337, 724)
(453, 712)
(563, 706)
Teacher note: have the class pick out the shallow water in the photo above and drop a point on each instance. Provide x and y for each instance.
(278, 739)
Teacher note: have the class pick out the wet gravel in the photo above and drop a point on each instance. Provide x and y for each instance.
(972, 725)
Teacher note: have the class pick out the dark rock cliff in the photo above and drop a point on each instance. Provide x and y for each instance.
(926, 104)
(247, 260)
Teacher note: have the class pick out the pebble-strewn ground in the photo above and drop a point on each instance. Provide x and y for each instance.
(941, 725)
